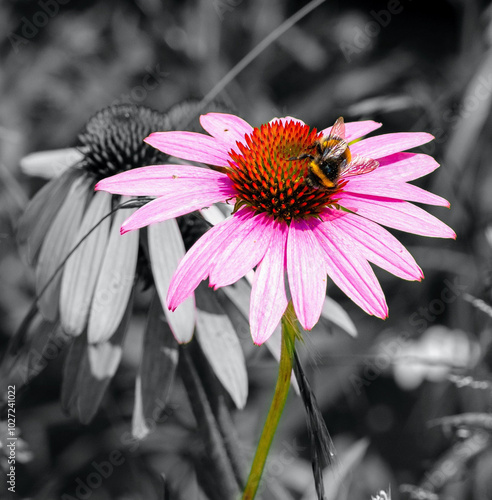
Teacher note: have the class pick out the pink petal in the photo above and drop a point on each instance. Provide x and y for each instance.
(200, 258)
(397, 190)
(186, 198)
(158, 180)
(396, 214)
(226, 128)
(375, 243)
(190, 146)
(244, 251)
(354, 130)
(268, 296)
(404, 167)
(307, 273)
(387, 144)
(349, 270)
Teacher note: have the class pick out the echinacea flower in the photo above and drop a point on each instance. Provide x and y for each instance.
(86, 273)
(93, 289)
(282, 225)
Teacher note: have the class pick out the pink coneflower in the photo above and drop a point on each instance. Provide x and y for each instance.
(284, 224)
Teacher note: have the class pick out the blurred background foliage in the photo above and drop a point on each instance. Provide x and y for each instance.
(413, 65)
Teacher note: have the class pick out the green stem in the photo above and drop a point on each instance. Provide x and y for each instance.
(290, 331)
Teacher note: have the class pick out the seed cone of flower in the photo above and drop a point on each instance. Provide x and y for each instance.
(283, 226)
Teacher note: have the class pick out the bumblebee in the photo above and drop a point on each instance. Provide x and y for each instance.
(332, 159)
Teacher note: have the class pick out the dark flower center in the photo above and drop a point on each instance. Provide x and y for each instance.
(112, 141)
(266, 177)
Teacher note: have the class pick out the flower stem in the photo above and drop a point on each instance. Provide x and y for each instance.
(290, 331)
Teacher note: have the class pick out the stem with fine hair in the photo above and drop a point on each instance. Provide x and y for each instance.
(290, 331)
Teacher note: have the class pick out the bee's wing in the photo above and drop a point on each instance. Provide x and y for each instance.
(334, 148)
(360, 165)
(338, 129)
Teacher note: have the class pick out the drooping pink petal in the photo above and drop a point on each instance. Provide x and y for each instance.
(244, 251)
(307, 273)
(200, 258)
(268, 295)
(226, 128)
(349, 270)
(157, 180)
(403, 167)
(354, 130)
(396, 214)
(190, 146)
(396, 190)
(387, 144)
(184, 199)
(375, 243)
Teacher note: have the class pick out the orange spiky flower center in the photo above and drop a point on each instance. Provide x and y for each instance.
(269, 179)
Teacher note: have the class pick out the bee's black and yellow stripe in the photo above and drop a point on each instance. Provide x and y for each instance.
(325, 167)
(316, 170)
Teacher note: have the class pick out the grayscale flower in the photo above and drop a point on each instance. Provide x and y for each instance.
(86, 271)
